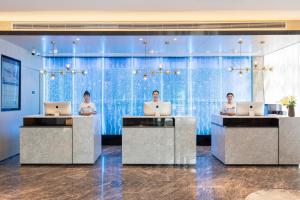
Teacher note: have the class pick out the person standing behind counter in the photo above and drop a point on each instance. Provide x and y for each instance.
(155, 96)
(87, 107)
(153, 107)
(230, 107)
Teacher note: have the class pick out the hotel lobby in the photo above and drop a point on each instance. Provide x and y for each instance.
(116, 101)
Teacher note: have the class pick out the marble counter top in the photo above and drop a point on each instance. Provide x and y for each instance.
(50, 120)
(247, 121)
(153, 121)
(52, 116)
(237, 116)
(143, 117)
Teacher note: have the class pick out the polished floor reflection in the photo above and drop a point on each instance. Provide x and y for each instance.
(108, 179)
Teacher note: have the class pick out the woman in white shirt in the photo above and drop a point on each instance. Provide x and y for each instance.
(87, 107)
(230, 107)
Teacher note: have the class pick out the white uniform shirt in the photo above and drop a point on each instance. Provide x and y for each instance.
(229, 108)
(87, 107)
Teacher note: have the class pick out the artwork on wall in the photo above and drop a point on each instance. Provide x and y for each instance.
(10, 84)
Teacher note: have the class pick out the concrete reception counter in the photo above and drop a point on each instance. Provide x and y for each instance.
(60, 140)
(258, 140)
(159, 140)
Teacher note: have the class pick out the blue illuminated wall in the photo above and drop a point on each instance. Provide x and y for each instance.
(199, 90)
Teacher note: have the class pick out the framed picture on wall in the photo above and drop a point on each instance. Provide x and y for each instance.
(10, 84)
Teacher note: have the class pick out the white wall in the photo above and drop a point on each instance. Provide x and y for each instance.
(12, 120)
(285, 78)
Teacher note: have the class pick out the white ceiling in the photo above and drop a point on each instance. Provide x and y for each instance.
(151, 5)
(194, 45)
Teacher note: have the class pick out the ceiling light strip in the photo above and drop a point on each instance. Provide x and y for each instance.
(147, 26)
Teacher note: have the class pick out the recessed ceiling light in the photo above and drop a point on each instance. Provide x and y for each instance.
(141, 39)
(175, 39)
(77, 39)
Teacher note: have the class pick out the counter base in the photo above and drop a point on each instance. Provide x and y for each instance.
(148, 140)
(60, 140)
(148, 146)
(35, 144)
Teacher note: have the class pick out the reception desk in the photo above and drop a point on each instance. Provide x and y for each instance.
(159, 140)
(60, 140)
(258, 140)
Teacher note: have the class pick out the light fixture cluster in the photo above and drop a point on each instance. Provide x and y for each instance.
(240, 69)
(160, 70)
(68, 69)
(257, 66)
(53, 74)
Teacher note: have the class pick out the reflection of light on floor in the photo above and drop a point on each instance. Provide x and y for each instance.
(275, 194)
(102, 176)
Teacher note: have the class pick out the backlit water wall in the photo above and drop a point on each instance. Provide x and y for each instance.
(199, 90)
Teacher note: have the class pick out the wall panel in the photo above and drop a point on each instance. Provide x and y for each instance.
(285, 78)
(199, 90)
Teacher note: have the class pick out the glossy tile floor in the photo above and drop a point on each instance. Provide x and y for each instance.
(108, 179)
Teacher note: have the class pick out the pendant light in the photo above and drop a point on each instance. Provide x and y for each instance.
(240, 69)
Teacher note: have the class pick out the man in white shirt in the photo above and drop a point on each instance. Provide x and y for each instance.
(153, 105)
(87, 107)
(155, 96)
(230, 107)
(157, 107)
